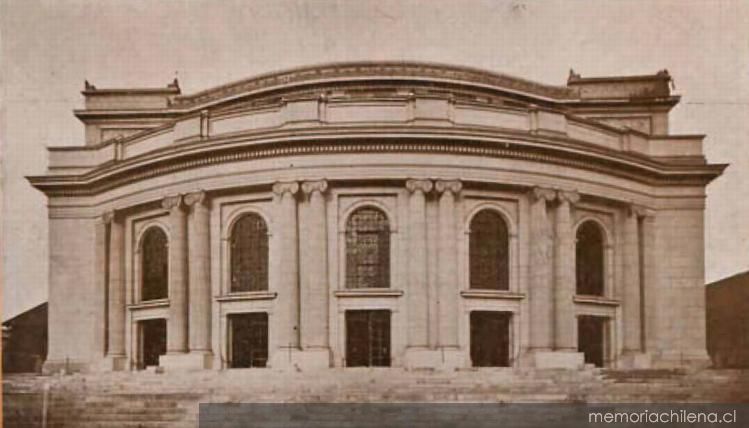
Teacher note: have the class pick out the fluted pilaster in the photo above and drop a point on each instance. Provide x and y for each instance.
(564, 274)
(314, 264)
(288, 264)
(176, 337)
(418, 298)
(200, 275)
(540, 269)
(447, 274)
(116, 310)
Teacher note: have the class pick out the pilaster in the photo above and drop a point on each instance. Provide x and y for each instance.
(176, 337)
(314, 276)
(116, 357)
(418, 295)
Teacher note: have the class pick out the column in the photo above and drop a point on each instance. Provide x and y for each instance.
(633, 308)
(447, 274)
(564, 274)
(418, 303)
(288, 267)
(631, 292)
(116, 310)
(199, 251)
(539, 277)
(314, 274)
(176, 335)
(100, 296)
(649, 297)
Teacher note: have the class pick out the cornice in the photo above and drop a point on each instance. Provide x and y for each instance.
(376, 71)
(208, 153)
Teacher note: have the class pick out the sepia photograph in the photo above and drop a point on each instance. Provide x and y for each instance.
(329, 213)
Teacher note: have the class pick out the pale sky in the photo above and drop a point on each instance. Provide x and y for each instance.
(50, 47)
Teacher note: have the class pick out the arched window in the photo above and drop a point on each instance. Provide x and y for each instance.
(249, 254)
(367, 249)
(489, 251)
(589, 259)
(154, 265)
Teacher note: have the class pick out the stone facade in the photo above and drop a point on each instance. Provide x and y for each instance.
(424, 147)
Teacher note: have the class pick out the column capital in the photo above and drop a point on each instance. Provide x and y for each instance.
(414, 185)
(107, 216)
(281, 187)
(639, 211)
(569, 196)
(172, 202)
(314, 186)
(454, 186)
(542, 193)
(195, 198)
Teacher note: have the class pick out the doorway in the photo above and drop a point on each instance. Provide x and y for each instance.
(152, 334)
(248, 340)
(490, 338)
(368, 338)
(591, 339)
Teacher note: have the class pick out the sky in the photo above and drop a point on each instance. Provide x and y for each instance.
(48, 49)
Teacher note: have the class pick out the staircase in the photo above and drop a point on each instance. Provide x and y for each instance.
(148, 399)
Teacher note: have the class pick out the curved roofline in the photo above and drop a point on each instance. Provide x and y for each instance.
(354, 70)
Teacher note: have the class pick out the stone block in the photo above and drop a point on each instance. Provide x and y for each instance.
(559, 360)
(635, 360)
(188, 361)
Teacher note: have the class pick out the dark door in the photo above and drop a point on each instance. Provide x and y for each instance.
(248, 339)
(590, 338)
(490, 339)
(152, 341)
(367, 338)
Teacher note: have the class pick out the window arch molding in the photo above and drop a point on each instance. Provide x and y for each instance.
(342, 245)
(512, 238)
(230, 223)
(140, 236)
(608, 251)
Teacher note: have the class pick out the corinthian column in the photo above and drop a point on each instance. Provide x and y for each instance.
(200, 277)
(564, 274)
(176, 337)
(418, 298)
(540, 278)
(314, 273)
(447, 257)
(116, 342)
(287, 331)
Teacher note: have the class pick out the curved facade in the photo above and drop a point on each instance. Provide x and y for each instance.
(378, 214)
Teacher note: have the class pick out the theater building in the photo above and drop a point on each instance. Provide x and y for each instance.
(378, 214)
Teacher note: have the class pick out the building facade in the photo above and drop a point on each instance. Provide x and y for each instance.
(378, 214)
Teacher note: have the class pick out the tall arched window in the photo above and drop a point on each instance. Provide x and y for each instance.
(489, 251)
(367, 249)
(154, 265)
(589, 259)
(249, 254)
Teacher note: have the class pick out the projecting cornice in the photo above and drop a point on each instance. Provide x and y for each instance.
(206, 153)
(376, 71)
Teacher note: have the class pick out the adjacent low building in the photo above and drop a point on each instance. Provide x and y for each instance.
(378, 214)
(728, 321)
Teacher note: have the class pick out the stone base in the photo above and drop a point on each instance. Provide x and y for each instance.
(113, 363)
(695, 358)
(635, 360)
(297, 359)
(51, 367)
(187, 361)
(558, 360)
(449, 358)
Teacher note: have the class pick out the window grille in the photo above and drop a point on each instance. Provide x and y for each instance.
(489, 251)
(249, 254)
(589, 259)
(154, 265)
(367, 249)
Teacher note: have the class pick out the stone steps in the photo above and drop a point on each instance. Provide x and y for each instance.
(171, 399)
